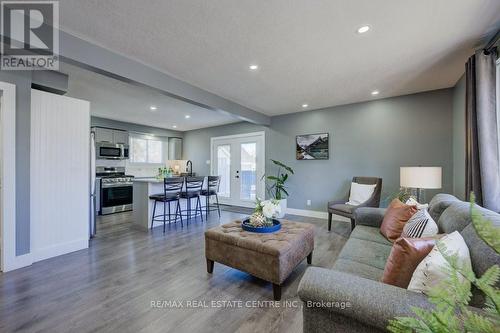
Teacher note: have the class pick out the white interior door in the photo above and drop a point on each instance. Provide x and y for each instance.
(240, 162)
(60, 169)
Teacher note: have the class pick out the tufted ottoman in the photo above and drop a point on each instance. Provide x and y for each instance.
(271, 257)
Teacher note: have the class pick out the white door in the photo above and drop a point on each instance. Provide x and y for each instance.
(60, 169)
(240, 162)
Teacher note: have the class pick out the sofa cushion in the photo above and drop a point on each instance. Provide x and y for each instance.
(455, 218)
(358, 269)
(366, 252)
(482, 255)
(371, 234)
(439, 203)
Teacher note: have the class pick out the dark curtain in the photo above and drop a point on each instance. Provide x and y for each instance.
(482, 163)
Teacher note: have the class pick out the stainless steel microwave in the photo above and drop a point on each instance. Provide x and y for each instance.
(111, 151)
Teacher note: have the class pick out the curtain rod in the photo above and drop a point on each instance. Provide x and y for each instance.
(493, 41)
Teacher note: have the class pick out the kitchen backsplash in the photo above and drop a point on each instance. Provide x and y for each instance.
(143, 170)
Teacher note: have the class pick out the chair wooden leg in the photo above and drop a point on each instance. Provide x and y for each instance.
(329, 221)
(153, 218)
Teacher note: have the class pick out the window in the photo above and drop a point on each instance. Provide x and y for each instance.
(147, 150)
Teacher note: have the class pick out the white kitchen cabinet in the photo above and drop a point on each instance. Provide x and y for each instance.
(120, 137)
(103, 134)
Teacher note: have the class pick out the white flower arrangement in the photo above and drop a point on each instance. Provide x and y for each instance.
(265, 211)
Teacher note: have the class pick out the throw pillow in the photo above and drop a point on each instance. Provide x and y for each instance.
(406, 254)
(434, 268)
(420, 225)
(395, 218)
(360, 193)
(413, 202)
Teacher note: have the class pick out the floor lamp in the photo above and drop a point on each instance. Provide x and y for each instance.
(420, 178)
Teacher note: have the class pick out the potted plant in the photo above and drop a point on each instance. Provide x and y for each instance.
(276, 188)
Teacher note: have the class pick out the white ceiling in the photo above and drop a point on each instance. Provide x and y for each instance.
(308, 51)
(113, 99)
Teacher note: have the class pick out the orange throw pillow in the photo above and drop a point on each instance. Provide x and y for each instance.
(395, 218)
(406, 254)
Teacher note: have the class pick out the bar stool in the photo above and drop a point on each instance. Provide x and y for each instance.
(213, 183)
(172, 188)
(192, 190)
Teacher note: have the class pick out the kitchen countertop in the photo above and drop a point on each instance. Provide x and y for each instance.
(153, 179)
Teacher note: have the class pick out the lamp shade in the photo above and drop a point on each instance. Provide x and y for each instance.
(420, 177)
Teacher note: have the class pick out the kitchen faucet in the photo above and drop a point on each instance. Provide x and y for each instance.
(189, 168)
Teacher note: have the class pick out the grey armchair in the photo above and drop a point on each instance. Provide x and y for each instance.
(340, 207)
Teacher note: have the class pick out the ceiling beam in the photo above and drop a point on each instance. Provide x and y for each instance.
(81, 53)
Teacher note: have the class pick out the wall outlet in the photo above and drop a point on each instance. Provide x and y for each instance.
(309, 202)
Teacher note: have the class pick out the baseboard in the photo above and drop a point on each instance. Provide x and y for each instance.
(19, 262)
(315, 214)
(59, 249)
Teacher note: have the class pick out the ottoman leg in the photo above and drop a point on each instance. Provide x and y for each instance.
(210, 266)
(276, 292)
(309, 258)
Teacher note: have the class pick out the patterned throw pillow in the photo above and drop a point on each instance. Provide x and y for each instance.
(420, 225)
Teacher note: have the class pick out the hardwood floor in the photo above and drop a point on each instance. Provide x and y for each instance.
(110, 286)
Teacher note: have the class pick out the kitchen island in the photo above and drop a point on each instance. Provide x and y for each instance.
(143, 206)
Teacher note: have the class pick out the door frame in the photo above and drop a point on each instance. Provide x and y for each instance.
(262, 134)
(8, 260)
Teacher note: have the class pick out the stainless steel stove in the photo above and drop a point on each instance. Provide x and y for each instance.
(115, 190)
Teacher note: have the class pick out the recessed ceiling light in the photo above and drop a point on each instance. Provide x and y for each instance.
(175, 126)
(363, 29)
(187, 116)
(153, 108)
(253, 67)
(305, 105)
(375, 92)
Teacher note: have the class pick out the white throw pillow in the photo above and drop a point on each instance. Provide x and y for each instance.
(360, 193)
(420, 225)
(413, 202)
(433, 269)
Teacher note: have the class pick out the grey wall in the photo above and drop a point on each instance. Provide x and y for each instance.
(459, 139)
(366, 139)
(22, 80)
(103, 122)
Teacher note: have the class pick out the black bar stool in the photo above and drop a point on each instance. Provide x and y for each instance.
(192, 190)
(213, 183)
(172, 188)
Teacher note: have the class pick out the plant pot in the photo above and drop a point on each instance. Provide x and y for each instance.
(283, 207)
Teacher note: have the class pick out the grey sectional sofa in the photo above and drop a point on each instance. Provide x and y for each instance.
(349, 297)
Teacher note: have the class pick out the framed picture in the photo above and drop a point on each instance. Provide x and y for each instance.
(312, 146)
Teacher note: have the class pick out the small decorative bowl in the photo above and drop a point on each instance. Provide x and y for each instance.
(245, 225)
